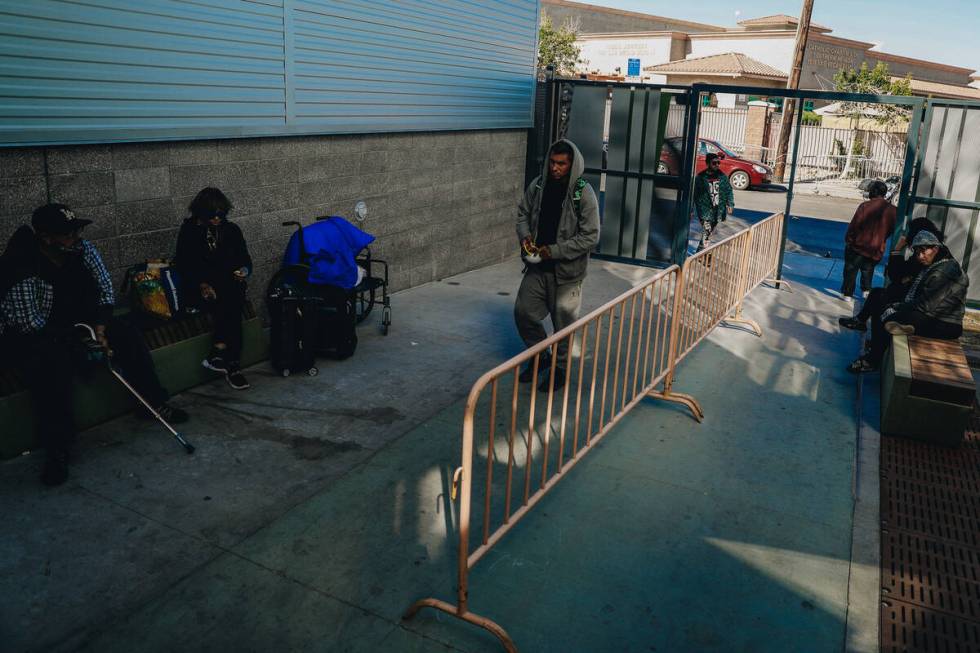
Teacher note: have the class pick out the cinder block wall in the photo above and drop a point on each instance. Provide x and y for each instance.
(439, 203)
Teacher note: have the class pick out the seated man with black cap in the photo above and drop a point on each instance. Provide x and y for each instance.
(51, 279)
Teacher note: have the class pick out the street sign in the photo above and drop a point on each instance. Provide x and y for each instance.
(633, 68)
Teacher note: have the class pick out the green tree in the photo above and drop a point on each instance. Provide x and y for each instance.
(556, 47)
(871, 81)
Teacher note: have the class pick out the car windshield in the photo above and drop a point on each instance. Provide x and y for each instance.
(727, 151)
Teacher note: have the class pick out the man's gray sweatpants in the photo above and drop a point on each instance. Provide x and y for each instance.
(541, 296)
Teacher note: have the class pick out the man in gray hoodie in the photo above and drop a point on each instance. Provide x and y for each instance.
(557, 225)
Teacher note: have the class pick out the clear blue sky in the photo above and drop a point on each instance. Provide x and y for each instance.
(945, 31)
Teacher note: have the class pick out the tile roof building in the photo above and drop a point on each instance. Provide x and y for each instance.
(679, 51)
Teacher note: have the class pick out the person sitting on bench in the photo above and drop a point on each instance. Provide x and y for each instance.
(213, 263)
(901, 271)
(933, 307)
(50, 280)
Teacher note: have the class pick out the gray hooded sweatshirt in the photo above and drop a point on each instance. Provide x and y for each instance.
(578, 231)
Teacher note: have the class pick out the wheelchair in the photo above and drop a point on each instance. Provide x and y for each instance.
(294, 278)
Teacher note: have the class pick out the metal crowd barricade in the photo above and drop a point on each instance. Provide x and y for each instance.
(612, 358)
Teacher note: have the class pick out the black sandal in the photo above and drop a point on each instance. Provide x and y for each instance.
(861, 365)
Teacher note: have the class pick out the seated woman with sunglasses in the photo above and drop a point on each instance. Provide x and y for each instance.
(213, 262)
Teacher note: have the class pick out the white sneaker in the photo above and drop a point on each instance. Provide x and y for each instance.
(899, 329)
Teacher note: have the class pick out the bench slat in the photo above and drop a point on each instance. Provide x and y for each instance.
(939, 361)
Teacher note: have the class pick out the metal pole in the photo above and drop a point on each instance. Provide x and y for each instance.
(789, 104)
(789, 197)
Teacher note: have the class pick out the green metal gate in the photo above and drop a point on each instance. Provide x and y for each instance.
(620, 130)
(946, 184)
(642, 167)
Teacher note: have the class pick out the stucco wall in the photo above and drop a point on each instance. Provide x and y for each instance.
(605, 55)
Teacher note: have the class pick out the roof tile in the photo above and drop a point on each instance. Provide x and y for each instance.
(729, 63)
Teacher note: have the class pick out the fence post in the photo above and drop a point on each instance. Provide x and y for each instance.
(668, 393)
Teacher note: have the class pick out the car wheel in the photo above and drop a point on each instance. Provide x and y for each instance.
(662, 168)
(740, 180)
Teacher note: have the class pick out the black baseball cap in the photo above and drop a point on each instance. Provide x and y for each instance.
(56, 219)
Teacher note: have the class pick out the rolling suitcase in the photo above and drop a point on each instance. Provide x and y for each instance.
(336, 323)
(294, 333)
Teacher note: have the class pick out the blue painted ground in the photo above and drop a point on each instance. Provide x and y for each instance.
(811, 235)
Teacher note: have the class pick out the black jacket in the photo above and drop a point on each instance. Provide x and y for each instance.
(940, 291)
(197, 262)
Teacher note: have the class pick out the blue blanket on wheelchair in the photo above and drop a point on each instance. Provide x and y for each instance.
(329, 247)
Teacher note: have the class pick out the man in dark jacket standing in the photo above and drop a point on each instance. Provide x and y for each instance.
(933, 307)
(714, 199)
(50, 280)
(864, 242)
(557, 226)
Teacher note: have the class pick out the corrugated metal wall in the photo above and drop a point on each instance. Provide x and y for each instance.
(117, 70)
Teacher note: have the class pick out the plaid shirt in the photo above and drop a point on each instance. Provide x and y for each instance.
(26, 307)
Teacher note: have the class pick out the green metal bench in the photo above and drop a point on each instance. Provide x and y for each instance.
(927, 390)
(177, 349)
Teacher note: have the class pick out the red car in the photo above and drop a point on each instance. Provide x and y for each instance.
(742, 173)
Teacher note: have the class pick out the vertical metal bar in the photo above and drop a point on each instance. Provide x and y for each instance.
(743, 272)
(639, 180)
(626, 167)
(466, 495)
(683, 219)
(564, 401)
(619, 350)
(530, 431)
(660, 342)
(637, 368)
(605, 373)
(629, 350)
(490, 456)
(674, 326)
(578, 390)
(654, 306)
(510, 443)
(547, 426)
(595, 369)
(916, 145)
(789, 194)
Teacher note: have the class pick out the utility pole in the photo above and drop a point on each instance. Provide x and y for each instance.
(789, 104)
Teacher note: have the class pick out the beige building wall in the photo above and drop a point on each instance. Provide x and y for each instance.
(825, 57)
(593, 19)
(605, 54)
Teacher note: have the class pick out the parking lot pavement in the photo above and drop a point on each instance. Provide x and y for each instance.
(806, 204)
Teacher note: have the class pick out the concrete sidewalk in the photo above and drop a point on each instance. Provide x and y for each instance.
(316, 509)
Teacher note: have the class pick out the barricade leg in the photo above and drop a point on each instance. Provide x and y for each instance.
(465, 615)
(779, 283)
(667, 394)
(739, 319)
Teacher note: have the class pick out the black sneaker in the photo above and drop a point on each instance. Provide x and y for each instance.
(527, 374)
(55, 470)
(852, 323)
(559, 380)
(215, 363)
(235, 378)
(170, 414)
